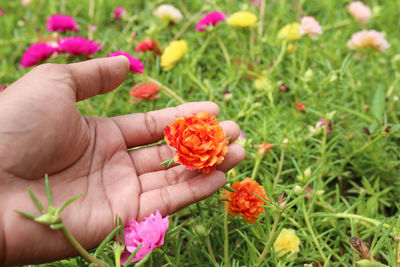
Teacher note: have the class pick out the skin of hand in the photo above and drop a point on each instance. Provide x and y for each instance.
(42, 131)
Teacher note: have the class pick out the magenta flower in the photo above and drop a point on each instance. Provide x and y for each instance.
(1, 12)
(256, 2)
(36, 53)
(212, 18)
(119, 12)
(3, 87)
(79, 46)
(321, 124)
(136, 65)
(149, 233)
(61, 23)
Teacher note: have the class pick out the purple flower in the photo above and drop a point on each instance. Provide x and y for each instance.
(136, 65)
(36, 53)
(321, 124)
(119, 12)
(79, 46)
(149, 233)
(61, 23)
(212, 18)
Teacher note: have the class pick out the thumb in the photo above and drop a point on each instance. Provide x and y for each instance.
(97, 76)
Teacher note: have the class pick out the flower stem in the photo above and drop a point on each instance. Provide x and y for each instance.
(310, 229)
(261, 22)
(270, 237)
(166, 90)
(226, 240)
(210, 249)
(278, 174)
(117, 257)
(225, 52)
(79, 247)
(280, 56)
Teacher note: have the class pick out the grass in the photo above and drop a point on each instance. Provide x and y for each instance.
(355, 169)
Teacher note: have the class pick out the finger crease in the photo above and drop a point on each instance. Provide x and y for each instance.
(166, 199)
(151, 125)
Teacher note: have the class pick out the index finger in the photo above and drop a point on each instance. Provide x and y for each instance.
(146, 128)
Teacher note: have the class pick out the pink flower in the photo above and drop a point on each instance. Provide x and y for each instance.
(321, 124)
(119, 12)
(256, 2)
(212, 18)
(149, 233)
(1, 12)
(3, 87)
(309, 189)
(311, 27)
(359, 11)
(61, 23)
(366, 38)
(36, 53)
(77, 45)
(136, 64)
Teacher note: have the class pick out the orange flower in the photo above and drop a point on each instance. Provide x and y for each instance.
(145, 91)
(200, 142)
(300, 106)
(148, 44)
(263, 149)
(244, 201)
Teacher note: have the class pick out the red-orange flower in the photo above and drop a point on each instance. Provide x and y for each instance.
(145, 91)
(244, 201)
(263, 149)
(200, 142)
(148, 44)
(300, 106)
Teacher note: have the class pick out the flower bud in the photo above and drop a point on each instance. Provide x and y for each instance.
(200, 229)
(360, 248)
(284, 88)
(307, 173)
(48, 219)
(320, 192)
(308, 76)
(298, 190)
(227, 95)
(282, 202)
(263, 149)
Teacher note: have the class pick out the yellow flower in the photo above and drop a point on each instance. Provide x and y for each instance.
(242, 19)
(290, 32)
(287, 241)
(263, 83)
(173, 53)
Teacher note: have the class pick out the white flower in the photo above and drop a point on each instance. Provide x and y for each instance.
(168, 12)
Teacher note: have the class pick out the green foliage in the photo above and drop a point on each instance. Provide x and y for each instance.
(355, 169)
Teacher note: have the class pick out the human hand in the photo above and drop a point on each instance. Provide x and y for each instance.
(42, 131)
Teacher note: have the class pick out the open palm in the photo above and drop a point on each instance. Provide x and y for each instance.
(42, 131)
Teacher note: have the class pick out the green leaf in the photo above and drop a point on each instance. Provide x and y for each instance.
(169, 162)
(69, 201)
(106, 240)
(228, 188)
(36, 201)
(378, 103)
(48, 192)
(133, 255)
(27, 215)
